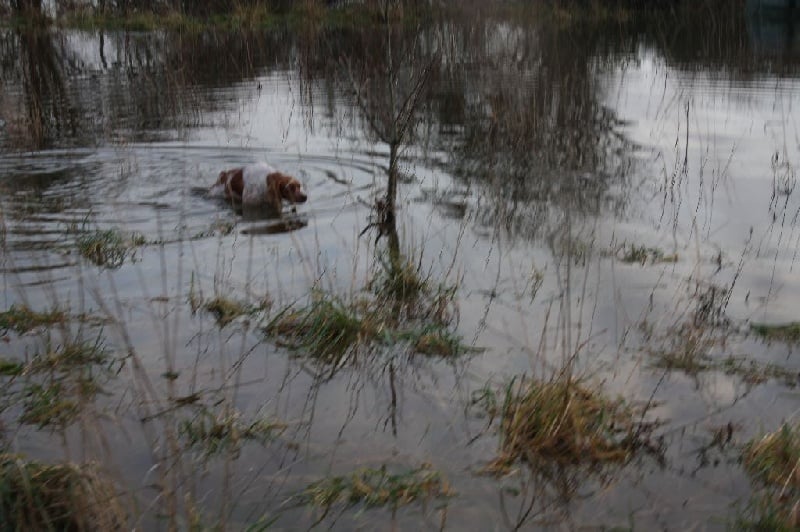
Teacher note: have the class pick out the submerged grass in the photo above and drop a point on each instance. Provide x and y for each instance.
(787, 332)
(38, 496)
(327, 329)
(48, 405)
(632, 253)
(21, 319)
(399, 310)
(399, 280)
(225, 309)
(773, 462)
(751, 372)
(440, 343)
(564, 422)
(68, 356)
(52, 387)
(330, 330)
(217, 433)
(686, 348)
(377, 487)
(108, 248)
(690, 346)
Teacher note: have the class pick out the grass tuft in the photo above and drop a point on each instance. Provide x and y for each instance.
(37, 496)
(331, 331)
(214, 434)
(10, 368)
(773, 461)
(400, 282)
(689, 347)
(21, 319)
(48, 405)
(327, 329)
(401, 309)
(225, 310)
(686, 348)
(562, 421)
(440, 342)
(631, 254)
(108, 248)
(377, 487)
(788, 332)
(52, 387)
(774, 458)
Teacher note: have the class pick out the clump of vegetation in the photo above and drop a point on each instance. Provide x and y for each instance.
(327, 329)
(686, 348)
(48, 405)
(218, 227)
(750, 371)
(689, 346)
(711, 301)
(10, 368)
(774, 458)
(562, 421)
(377, 487)
(400, 281)
(225, 310)
(217, 433)
(631, 253)
(37, 496)
(439, 342)
(788, 332)
(21, 319)
(401, 308)
(69, 356)
(331, 330)
(108, 248)
(753, 372)
(571, 246)
(53, 386)
(773, 461)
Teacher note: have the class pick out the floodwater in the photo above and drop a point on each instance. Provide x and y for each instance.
(535, 155)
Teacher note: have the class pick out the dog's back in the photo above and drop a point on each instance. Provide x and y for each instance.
(255, 185)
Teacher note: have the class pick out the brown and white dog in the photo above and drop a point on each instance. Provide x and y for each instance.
(258, 185)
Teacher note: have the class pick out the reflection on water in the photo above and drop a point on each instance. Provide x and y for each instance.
(534, 153)
(274, 228)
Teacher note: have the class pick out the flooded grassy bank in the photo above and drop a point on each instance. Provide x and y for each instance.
(545, 276)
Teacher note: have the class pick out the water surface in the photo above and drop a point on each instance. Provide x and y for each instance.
(537, 154)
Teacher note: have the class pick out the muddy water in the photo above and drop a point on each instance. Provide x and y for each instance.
(536, 156)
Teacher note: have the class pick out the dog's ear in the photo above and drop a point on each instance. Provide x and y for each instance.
(286, 187)
(274, 189)
(293, 191)
(283, 183)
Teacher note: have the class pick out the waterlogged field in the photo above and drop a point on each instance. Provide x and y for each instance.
(583, 317)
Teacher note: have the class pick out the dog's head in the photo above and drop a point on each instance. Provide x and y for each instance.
(290, 189)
